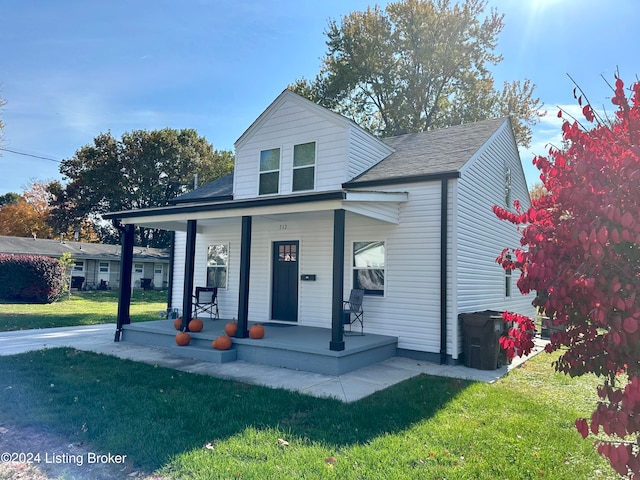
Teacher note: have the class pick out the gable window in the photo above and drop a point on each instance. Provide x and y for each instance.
(369, 267)
(304, 166)
(269, 171)
(217, 263)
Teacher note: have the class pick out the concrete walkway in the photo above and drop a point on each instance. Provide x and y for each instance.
(347, 388)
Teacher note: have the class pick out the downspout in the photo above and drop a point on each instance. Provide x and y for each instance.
(444, 225)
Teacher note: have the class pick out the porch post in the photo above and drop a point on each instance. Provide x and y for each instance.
(245, 265)
(126, 262)
(337, 318)
(189, 260)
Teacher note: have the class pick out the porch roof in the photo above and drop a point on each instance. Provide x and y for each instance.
(383, 206)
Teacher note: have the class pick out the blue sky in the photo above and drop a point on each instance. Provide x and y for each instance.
(71, 69)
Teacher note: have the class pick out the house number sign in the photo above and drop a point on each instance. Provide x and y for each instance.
(283, 226)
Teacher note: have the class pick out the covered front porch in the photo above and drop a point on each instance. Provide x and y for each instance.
(248, 227)
(290, 346)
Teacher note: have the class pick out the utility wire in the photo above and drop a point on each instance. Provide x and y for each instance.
(30, 155)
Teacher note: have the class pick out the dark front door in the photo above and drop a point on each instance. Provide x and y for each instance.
(284, 290)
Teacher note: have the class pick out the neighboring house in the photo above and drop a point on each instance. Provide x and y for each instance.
(96, 265)
(317, 206)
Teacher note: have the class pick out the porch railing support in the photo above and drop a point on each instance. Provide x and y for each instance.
(337, 318)
(245, 266)
(189, 262)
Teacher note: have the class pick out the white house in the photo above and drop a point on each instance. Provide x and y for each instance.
(317, 206)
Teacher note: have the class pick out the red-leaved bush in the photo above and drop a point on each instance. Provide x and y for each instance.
(580, 256)
(30, 278)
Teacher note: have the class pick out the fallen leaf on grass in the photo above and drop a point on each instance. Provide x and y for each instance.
(330, 460)
(282, 442)
(210, 445)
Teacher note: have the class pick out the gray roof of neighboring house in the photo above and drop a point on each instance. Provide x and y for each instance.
(417, 156)
(78, 250)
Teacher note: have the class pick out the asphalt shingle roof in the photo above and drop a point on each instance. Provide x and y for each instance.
(432, 152)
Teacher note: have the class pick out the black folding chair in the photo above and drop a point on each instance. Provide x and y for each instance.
(352, 309)
(205, 301)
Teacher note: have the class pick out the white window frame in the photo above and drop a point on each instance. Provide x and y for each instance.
(100, 265)
(138, 268)
(262, 172)
(78, 266)
(355, 268)
(224, 266)
(303, 167)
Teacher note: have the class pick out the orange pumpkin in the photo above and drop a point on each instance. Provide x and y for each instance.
(231, 328)
(196, 325)
(256, 331)
(177, 323)
(223, 342)
(183, 338)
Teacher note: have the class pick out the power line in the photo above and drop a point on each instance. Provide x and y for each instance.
(30, 155)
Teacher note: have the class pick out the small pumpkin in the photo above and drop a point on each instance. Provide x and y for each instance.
(196, 325)
(183, 338)
(223, 342)
(231, 328)
(256, 331)
(177, 323)
(214, 343)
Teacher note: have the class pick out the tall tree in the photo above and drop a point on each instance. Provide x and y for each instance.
(419, 65)
(143, 169)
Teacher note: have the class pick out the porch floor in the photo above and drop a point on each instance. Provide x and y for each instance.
(284, 345)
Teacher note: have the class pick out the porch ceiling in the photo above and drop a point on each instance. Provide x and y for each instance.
(383, 206)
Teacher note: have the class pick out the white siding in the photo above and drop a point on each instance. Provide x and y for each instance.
(364, 151)
(179, 252)
(410, 308)
(480, 236)
(288, 125)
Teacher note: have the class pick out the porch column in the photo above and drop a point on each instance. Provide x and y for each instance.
(245, 266)
(126, 262)
(189, 260)
(337, 318)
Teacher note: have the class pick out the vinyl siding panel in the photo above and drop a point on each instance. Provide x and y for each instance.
(364, 152)
(480, 236)
(288, 125)
(410, 308)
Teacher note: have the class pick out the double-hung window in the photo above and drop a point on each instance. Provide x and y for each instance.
(217, 264)
(304, 166)
(269, 171)
(369, 267)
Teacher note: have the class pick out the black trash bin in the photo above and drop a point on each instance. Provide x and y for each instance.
(481, 337)
(145, 283)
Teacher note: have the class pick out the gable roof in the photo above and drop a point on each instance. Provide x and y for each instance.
(302, 102)
(78, 250)
(434, 153)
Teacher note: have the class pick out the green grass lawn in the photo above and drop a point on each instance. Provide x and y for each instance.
(81, 308)
(521, 427)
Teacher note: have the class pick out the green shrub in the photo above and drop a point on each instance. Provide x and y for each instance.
(30, 278)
